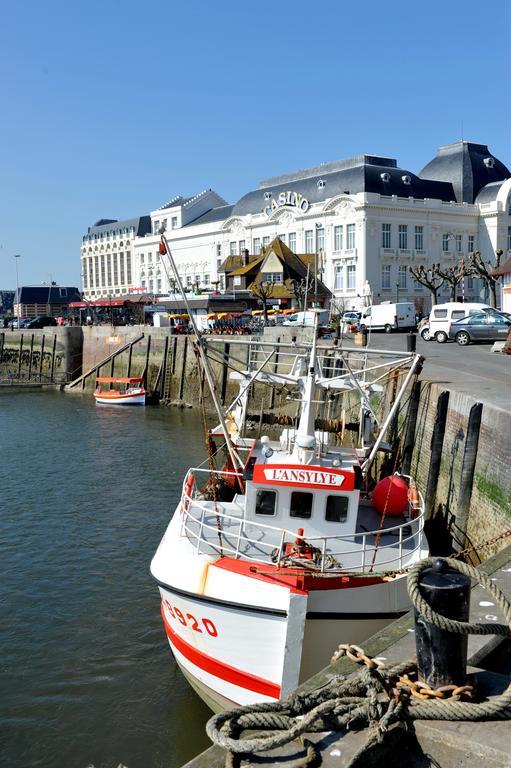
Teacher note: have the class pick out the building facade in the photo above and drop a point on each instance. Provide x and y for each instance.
(365, 220)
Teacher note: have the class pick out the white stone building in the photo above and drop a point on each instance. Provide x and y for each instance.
(366, 219)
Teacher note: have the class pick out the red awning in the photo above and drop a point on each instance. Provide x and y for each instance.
(99, 303)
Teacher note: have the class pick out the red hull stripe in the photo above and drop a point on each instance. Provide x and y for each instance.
(219, 668)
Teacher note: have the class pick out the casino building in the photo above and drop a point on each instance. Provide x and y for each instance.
(364, 218)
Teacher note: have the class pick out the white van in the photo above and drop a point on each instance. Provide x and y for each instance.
(308, 317)
(389, 317)
(442, 315)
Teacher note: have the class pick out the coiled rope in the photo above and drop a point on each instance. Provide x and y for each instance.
(374, 698)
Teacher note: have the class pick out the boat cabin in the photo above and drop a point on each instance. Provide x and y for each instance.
(321, 497)
(123, 384)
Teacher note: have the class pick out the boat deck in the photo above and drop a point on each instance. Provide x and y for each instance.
(220, 527)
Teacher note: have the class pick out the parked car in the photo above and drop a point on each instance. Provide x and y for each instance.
(442, 315)
(480, 326)
(350, 317)
(22, 323)
(40, 321)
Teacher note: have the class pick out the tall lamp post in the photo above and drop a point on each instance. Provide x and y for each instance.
(17, 256)
(397, 293)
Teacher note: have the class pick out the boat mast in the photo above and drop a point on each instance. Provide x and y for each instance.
(305, 433)
(235, 458)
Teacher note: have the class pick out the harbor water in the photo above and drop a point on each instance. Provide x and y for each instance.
(85, 495)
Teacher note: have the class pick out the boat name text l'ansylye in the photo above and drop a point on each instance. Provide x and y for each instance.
(307, 476)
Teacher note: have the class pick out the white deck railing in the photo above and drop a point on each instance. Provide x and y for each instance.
(234, 536)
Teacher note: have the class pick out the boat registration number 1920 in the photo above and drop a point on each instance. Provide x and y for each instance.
(188, 620)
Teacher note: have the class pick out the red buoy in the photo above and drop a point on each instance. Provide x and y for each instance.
(390, 497)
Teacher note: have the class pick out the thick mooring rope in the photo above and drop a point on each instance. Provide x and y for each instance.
(375, 697)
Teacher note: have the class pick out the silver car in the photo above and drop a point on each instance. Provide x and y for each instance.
(481, 326)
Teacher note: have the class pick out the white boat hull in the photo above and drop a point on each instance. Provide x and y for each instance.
(127, 399)
(234, 655)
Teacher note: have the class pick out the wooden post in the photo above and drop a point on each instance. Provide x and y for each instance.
(437, 442)
(112, 365)
(174, 350)
(164, 366)
(411, 423)
(53, 356)
(225, 367)
(31, 353)
(2, 342)
(183, 368)
(20, 353)
(42, 359)
(146, 367)
(275, 370)
(467, 471)
(130, 355)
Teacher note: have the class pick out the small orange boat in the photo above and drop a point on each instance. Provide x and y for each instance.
(122, 390)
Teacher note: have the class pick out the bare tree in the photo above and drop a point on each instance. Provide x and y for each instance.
(263, 291)
(301, 288)
(430, 278)
(483, 269)
(453, 276)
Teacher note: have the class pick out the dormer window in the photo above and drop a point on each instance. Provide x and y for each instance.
(267, 195)
(385, 176)
(406, 179)
(173, 222)
(321, 184)
(489, 162)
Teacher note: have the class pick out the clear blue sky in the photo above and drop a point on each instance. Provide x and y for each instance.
(110, 108)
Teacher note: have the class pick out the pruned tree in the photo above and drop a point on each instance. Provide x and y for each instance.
(483, 269)
(301, 288)
(453, 276)
(263, 291)
(430, 278)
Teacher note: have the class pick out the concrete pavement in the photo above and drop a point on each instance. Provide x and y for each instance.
(474, 369)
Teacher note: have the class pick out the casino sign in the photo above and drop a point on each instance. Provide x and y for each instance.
(287, 199)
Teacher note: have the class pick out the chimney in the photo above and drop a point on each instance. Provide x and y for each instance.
(244, 257)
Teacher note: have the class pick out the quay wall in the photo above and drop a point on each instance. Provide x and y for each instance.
(34, 355)
(489, 513)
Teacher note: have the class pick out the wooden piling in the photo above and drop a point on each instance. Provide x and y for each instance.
(174, 350)
(53, 357)
(437, 442)
(130, 355)
(146, 367)
(275, 370)
(183, 368)
(42, 359)
(164, 367)
(225, 369)
(411, 423)
(31, 353)
(2, 344)
(20, 355)
(467, 472)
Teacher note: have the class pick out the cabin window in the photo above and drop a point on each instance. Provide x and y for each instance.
(301, 504)
(265, 502)
(336, 509)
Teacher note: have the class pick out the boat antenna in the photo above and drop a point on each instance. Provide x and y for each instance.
(164, 249)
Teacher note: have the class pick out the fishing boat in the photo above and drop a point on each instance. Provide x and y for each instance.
(276, 557)
(121, 390)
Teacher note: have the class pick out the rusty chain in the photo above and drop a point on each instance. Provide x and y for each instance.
(403, 683)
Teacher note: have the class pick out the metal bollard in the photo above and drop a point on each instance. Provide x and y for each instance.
(441, 655)
(411, 342)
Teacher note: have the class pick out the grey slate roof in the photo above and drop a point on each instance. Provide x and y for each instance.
(463, 165)
(47, 294)
(142, 226)
(489, 193)
(215, 214)
(362, 173)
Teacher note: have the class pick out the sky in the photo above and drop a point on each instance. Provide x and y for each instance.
(109, 109)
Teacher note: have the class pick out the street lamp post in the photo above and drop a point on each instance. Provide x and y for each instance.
(17, 256)
(397, 293)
